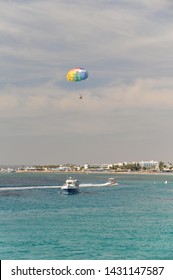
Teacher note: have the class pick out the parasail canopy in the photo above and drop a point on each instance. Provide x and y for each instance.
(77, 75)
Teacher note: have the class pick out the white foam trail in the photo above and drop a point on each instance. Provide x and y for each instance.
(96, 185)
(91, 185)
(51, 187)
(29, 188)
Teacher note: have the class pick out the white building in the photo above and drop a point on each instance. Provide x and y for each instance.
(97, 166)
(149, 164)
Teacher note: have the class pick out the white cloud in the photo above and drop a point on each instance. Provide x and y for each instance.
(48, 99)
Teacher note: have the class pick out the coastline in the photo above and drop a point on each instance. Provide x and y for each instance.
(96, 172)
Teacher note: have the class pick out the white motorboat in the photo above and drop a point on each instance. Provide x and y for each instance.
(71, 186)
(112, 182)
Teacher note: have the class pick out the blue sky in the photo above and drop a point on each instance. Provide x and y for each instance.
(127, 107)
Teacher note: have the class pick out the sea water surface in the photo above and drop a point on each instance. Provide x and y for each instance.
(133, 220)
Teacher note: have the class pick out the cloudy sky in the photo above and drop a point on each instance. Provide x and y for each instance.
(126, 113)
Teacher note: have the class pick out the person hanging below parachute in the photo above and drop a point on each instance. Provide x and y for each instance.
(77, 75)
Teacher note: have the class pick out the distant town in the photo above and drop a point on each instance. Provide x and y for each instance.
(142, 166)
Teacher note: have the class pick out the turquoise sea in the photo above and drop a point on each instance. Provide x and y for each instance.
(133, 220)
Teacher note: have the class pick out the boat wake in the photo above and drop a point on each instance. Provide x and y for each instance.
(53, 187)
(96, 185)
(28, 188)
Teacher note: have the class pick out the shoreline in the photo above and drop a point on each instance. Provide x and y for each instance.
(95, 172)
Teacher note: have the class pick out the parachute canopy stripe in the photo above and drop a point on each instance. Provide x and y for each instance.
(77, 74)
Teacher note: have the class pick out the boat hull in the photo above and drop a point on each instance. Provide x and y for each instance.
(69, 191)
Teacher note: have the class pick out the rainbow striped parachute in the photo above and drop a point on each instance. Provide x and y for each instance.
(77, 75)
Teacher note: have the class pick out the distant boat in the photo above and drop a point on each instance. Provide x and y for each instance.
(112, 182)
(71, 186)
(166, 182)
